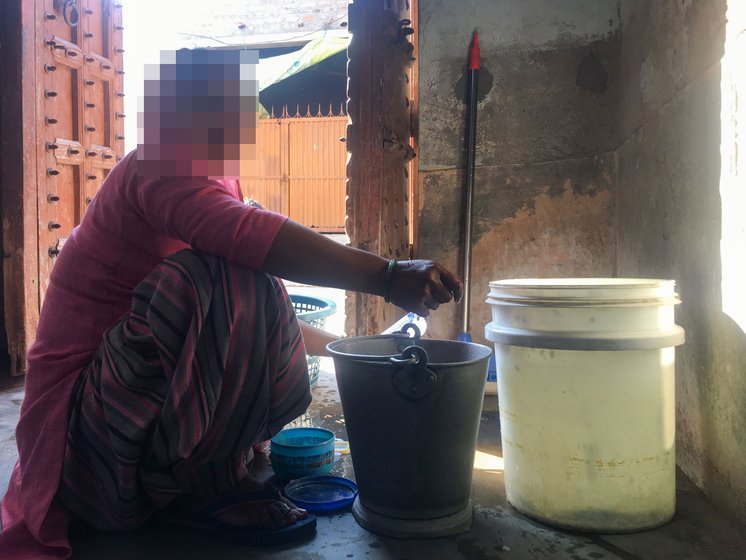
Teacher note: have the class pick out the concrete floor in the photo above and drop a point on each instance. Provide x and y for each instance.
(497, 532)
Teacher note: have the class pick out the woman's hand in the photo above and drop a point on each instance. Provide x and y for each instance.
(300, 254)
(421, 286)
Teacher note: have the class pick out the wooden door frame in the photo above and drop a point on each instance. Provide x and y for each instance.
(366, 189)
(25, 156)
(414, 99)
(19, 178)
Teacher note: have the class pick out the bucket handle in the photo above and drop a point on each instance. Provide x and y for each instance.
(413, 379)
(407, 327)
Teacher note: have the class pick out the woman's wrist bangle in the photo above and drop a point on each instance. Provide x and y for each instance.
(389, 276)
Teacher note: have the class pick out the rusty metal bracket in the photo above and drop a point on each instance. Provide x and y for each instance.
(392, 143)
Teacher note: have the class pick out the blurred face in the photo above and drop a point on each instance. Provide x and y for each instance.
(198, 115)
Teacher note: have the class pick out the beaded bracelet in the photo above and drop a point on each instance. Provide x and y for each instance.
(389, 276)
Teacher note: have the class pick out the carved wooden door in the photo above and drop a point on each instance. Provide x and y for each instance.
(81, 116)
(62, 122)
(380, 136)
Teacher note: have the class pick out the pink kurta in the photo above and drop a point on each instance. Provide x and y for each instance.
(130, 227)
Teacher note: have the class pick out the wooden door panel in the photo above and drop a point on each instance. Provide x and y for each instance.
(61, 107)
(59, 214)
(58, 189)
(54, 22)
(70, 127)
(64, 214)
(62, 88)
(86, 118)
(93, 182)
(62, 202)
(96, 26)
(97, 110)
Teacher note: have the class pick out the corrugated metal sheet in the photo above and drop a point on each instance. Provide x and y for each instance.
(269, 185)
(301, 170)
(317, 172)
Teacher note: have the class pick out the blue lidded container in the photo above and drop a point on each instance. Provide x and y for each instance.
(298, 452)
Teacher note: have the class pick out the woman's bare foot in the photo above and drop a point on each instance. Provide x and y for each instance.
(269, 514)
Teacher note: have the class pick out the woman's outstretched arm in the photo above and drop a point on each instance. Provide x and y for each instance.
(316, 339)
(303, 255)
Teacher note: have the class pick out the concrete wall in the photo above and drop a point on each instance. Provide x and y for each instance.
(237, 21)
(672, 216)
(547, 131)
(608, 144)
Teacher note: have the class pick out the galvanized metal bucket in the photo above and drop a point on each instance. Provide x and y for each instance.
(412, 409)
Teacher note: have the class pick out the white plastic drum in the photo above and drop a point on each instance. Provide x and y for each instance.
(586, 392)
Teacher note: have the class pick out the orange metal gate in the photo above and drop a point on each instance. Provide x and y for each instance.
(300, 169)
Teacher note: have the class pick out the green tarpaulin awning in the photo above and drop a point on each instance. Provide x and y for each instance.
(277, 68)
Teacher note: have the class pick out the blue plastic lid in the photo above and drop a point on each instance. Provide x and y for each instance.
(320, 494)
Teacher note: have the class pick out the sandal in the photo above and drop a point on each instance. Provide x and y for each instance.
(204, 520)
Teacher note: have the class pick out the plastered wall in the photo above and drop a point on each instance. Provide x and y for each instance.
(680, 204)
(610, 143)
(546, 139)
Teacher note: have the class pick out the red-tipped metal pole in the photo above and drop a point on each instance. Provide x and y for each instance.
(471, 146)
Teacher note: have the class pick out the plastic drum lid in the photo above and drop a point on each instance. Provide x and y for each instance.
(322, 493)
(602, 292)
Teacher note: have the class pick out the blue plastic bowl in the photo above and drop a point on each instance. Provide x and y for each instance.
(298, 452)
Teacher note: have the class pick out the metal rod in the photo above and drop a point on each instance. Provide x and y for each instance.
(471, 143)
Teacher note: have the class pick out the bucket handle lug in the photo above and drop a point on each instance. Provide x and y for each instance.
(407, 327)
(413, 380)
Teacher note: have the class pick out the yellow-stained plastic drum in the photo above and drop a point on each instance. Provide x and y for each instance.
(585, 375)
